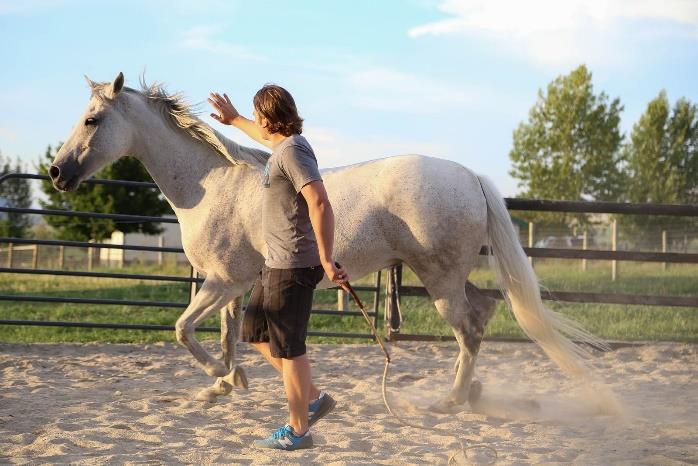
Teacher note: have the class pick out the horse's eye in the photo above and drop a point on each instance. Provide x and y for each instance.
(91, 122)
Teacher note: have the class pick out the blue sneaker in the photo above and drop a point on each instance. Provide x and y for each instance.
(320, 408)
(285, 439)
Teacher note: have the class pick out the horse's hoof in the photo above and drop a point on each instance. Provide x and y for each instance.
(216, 369)
(475, 392)
(447, 406)
(206, 395)
(220, 387)
(238, 378)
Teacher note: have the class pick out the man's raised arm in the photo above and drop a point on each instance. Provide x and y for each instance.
(228, 115)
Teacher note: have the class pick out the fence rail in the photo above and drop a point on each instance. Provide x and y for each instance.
(639, 256)
(48, 323)
(85, 244)
(597, 207)
(582, 297)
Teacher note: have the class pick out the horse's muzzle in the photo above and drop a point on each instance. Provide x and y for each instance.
(63, 175)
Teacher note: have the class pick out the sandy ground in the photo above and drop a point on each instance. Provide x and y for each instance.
(131, 404)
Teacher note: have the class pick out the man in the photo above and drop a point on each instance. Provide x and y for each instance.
(298, 225)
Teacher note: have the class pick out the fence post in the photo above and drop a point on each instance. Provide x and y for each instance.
(392, 312)
(584, 248)
(35, 256)
(108, 254)
(61, 256)
(342, 300)
(89, 256)
(531, 232)
(386, 304)
(161, 243)
(664, 264)
(614, 247)
(395, 317)
(9, 255)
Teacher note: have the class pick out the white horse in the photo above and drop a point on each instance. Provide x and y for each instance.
(430, 213)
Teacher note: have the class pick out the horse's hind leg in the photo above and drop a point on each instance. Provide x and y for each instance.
(231, 318)
(467, 310)
(483, 307)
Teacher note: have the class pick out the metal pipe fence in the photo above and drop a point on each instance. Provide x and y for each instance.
(394, 287)
(192, 280)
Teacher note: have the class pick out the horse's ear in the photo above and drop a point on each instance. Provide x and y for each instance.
(116, 85)
(90, 82)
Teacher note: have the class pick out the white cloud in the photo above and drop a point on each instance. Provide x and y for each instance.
(555, 32)
(387, 89)
(203, 38)
(334, 149)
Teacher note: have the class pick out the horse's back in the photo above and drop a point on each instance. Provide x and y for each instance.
(403, 206)
(408, 183)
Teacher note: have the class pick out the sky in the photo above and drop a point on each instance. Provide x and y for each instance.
(444, 78)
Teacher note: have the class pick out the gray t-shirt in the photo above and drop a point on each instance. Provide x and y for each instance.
(286, 224)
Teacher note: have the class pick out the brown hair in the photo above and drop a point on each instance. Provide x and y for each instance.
(276, 105)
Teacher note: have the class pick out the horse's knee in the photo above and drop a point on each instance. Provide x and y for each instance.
(468, 333)
(472, 330)
(183, 331)
(472, 339)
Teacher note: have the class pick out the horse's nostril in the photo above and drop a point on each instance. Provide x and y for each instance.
(54, 172)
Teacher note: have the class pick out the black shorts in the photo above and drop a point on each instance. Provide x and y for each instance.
(279, 309)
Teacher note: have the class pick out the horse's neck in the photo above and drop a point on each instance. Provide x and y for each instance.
(186, 171)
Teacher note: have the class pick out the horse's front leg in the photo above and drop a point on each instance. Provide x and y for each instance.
(212, 296)
(231, 318)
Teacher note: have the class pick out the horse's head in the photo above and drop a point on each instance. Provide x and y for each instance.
(101, 135)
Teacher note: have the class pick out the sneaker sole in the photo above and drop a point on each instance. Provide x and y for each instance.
(304, 447)
(324, 411)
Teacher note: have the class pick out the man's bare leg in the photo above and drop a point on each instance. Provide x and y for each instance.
(263, 348)
(296, 374)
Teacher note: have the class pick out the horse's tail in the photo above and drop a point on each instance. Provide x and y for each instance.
(552, 331)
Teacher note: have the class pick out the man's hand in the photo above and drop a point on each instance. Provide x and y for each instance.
(336, 274)
(228, 115)
(226, 111)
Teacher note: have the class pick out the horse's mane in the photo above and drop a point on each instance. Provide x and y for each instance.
(183, 116)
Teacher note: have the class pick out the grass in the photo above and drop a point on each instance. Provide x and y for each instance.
(616, 322)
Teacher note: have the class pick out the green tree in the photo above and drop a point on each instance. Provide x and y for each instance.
(104, 199)
(569, 147)
(661, 160)
(17, 193)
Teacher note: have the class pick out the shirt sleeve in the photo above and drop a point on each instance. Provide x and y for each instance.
(300, 166)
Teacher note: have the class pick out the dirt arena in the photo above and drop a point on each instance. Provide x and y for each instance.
(130, 404)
